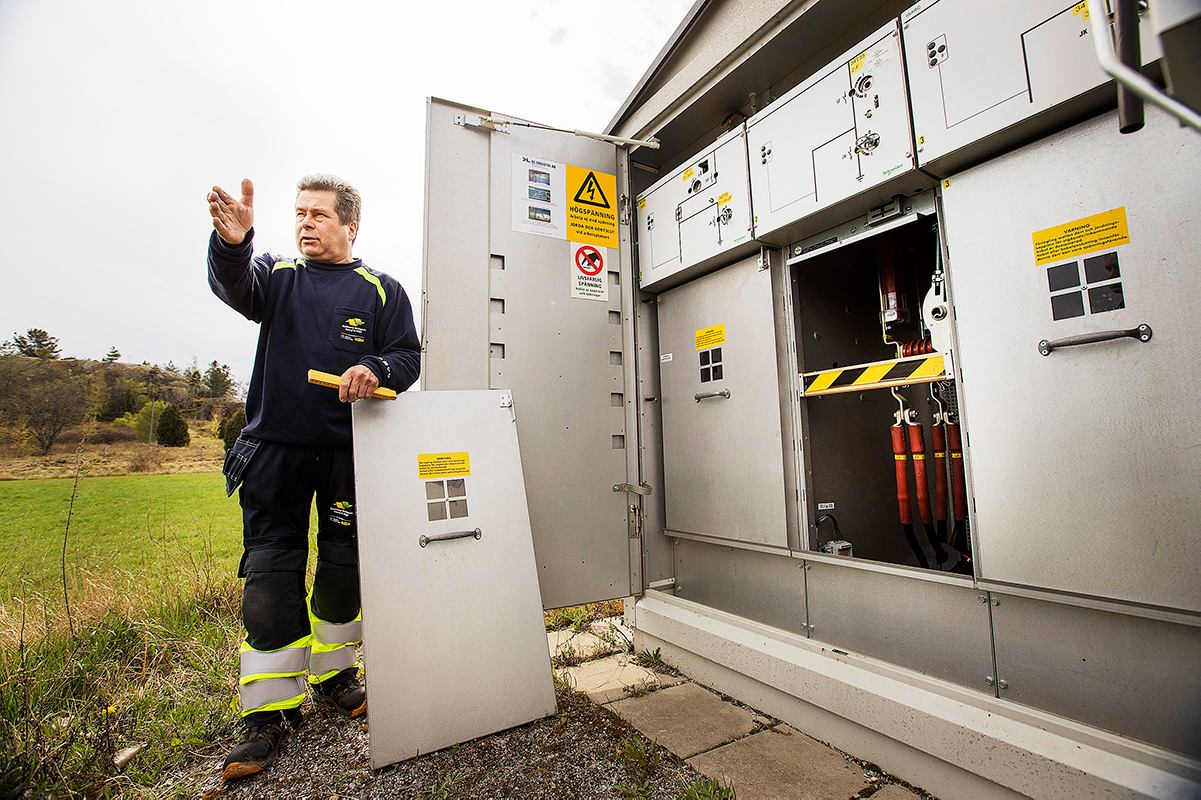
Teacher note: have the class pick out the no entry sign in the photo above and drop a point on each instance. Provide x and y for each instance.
(589, 260)
(588, 278)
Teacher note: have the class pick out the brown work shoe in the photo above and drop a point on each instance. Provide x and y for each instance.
(258, 749)
(348, 697)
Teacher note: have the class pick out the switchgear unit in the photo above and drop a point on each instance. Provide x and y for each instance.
(696, 215)
(837, 134)
(972, 75)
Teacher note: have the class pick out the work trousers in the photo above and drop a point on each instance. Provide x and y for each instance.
(287, 633)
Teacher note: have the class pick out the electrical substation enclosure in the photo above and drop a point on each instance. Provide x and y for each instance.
(871, 387)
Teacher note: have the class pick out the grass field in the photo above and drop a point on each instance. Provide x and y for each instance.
(141, 530)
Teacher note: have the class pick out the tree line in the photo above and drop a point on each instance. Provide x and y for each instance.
(43, 394)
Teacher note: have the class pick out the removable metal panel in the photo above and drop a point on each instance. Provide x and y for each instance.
(1085, 463)
(694, 215)
(1133, 676)
(839, 133)
(512, 288)
(933, 626)
(764, 587)
(977, 67)
(452, 631)
(722, 444)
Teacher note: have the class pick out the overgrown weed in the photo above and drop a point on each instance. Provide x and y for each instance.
(155, 672)
(579, 618)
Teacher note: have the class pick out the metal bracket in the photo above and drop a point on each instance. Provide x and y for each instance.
(641, 488)
(506, 400)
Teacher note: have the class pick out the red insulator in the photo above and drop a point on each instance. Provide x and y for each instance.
(959, 479)
(940, 472)
(901, 457)
(917, 444)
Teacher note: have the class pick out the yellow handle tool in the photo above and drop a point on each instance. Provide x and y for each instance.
(335, 381)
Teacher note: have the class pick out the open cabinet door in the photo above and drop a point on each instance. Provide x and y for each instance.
(524, 289)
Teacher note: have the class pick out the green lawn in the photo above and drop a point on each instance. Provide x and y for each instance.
(133, 531)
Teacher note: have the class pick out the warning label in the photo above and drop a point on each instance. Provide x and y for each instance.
(591, 213)
(711, 336)
(442, 465)
(588, 280)
(1098, 232)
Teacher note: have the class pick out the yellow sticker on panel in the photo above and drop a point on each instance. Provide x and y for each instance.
(591, 207)
(431, 466)
(724, 198)
(711, 336)
(857, 62)
(1087, 235)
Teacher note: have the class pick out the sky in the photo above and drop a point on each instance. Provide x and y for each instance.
(117, 118)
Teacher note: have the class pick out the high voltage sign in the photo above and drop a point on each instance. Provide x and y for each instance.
(595, 194)
(591, 218)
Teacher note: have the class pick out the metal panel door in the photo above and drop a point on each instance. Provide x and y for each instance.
(723, 451)
(452, 625)
(691, 218)
(1086, 462)
(501, 310)
(978, 67)
(840, 133)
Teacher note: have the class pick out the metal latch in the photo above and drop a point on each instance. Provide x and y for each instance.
(886, 211)
(641, 488)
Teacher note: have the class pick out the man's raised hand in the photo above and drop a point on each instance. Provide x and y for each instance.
(232, 218)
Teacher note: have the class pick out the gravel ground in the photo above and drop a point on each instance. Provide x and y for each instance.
(571, 755)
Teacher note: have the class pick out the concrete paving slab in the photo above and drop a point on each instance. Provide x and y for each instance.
(577, 645)
(605, 679)
(686, 719)
(782, 763)
(894, 792)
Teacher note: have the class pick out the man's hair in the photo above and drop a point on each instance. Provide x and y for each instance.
(348, 203)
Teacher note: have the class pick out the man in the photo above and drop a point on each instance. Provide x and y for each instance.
(326, 311)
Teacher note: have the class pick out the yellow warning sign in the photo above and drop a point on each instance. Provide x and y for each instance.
(857, 62)
(711, 336)
(431, 466)
(592, 210)
(1087, 235)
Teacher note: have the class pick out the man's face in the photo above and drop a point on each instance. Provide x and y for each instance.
(319, 234)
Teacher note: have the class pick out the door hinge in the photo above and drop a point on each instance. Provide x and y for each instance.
(476, 121)
(641, 488)
(635, 521)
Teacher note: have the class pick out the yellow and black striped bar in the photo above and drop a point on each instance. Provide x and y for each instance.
(882, 374)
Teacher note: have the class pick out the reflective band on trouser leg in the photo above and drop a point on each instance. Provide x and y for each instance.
(333, 647)
(273, 680)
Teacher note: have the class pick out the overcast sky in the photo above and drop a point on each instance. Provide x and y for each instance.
(118, 117)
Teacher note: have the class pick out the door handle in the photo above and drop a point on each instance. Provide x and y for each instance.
(444, 537)
(1142, 333)
(702, 395)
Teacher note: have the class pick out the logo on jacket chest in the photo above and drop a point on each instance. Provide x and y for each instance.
(354, 330)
